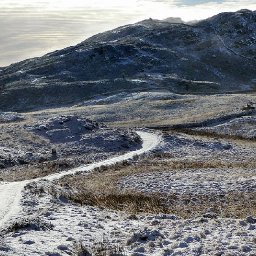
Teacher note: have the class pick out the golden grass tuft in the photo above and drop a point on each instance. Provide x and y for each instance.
(101, 189)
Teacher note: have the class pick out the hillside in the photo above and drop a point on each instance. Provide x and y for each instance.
(216, 55)
(138, 141)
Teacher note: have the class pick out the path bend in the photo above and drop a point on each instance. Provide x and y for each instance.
(11, 193)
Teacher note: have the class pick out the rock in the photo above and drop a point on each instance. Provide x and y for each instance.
(220, 253)
(132, 217)
(63, 247)
(202, 235)
(140, 249)
(210, 215)
(242, 223)
(166, 217)
(166, 242)
(203, 220)
(54, 151)
(22, 161)
(246, 248)
(4, 248)
(70, 239)
(252, 227)
(251, 220)
(42, 159)
(233, 247)
(145, 235)
(52, 254)
(207, 232)
(227, 146)
(43, 127)
(152, 244)
(183, 245)
(155, 222)
(28, 154)
(189, 239)
(29, 242)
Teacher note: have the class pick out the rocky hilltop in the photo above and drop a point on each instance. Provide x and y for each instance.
(216, 55)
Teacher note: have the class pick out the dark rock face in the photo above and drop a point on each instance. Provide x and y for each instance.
(211, 56)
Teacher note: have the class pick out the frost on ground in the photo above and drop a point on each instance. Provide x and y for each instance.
(194, 181)
(52, 144)
(242, 127)
(153, 107)
(58, 226)
(12, 201)
(199, 148)
(55, 226)
(153, 74)
(10, 117)
(206, 180)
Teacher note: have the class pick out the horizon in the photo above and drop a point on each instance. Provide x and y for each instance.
(33, 28)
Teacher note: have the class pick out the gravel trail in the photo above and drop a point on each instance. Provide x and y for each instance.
(11, 193)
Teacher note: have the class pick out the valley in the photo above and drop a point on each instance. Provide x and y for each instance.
(138, 141)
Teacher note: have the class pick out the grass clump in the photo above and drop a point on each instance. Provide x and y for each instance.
(98, 249)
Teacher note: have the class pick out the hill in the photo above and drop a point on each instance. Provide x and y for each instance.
(216, 55)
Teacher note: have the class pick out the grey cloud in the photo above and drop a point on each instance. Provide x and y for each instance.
(25, 33)
(31, 31)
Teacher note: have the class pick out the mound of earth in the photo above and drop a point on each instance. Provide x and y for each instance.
(61, 137)
(64, 128)
(243, 127)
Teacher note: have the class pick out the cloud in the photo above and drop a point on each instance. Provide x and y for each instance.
(196, 2)
(33, 27)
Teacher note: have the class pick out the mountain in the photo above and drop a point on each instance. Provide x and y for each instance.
(174, 20)
(216, 55)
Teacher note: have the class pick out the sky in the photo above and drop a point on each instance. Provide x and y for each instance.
(31, 28)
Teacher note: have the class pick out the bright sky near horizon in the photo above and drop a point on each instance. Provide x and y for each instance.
(31, 28)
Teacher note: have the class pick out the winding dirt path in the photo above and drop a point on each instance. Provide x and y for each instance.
(11, 193)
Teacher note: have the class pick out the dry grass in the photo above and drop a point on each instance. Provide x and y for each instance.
(98, 249)
(230, 205)
(160, 162)
(39, 170)
(28, 172)
(28, 224)
(130, 202)
(101, 189)
(212, 134)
